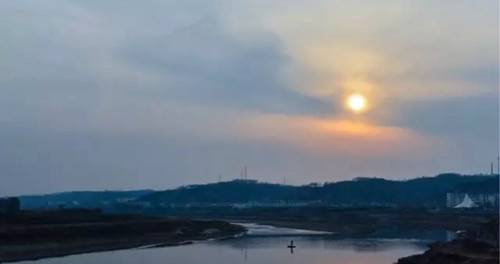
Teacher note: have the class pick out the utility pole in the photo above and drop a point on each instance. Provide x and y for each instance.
(244, 173)
(491, 171)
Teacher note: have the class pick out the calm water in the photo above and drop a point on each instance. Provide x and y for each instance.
(263, 245)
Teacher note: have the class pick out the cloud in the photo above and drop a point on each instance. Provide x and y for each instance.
(125, 94)
(203, 64)
(398, 49)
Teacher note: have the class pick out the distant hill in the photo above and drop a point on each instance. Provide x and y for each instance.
(80, 199)
(487, 186)
(237, 191)
(426, 191)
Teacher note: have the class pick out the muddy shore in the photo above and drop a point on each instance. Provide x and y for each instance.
(457, 252)
(470, 247)
(31, 236)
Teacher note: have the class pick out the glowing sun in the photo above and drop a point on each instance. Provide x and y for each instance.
(356, 103)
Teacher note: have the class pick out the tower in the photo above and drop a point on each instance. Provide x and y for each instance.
(244, 173)
(498, 166)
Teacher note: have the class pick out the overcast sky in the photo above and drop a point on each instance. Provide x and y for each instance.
(124, 94)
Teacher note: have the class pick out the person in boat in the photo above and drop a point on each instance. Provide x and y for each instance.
(291, 246)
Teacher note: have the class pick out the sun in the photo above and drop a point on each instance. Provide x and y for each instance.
(356, 103)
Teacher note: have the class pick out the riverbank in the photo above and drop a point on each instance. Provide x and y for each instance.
(36, 235)
(457, 252)
(469, 248)
(347, 221)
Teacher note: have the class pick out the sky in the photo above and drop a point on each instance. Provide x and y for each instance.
(122, 94)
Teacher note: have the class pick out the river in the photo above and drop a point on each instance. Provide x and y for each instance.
(262, 245)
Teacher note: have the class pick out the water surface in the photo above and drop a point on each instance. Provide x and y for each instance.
(263, 245)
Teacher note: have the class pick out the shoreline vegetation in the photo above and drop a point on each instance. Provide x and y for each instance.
(37, 235)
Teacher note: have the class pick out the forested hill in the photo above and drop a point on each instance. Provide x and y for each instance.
(80, 199)
(428, 191)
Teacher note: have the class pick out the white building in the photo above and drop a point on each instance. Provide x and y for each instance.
(470, 200)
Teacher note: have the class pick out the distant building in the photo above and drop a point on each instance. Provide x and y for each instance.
(466, 203)
(472, 200)
(9, 205)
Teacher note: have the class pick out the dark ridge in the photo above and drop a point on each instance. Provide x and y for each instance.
(426, 191)
(419, 192)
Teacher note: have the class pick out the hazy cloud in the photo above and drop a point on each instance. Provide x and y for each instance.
(123, 94)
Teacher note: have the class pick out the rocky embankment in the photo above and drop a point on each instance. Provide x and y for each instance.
(456, 252)
(471, 247)
(35, 235)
